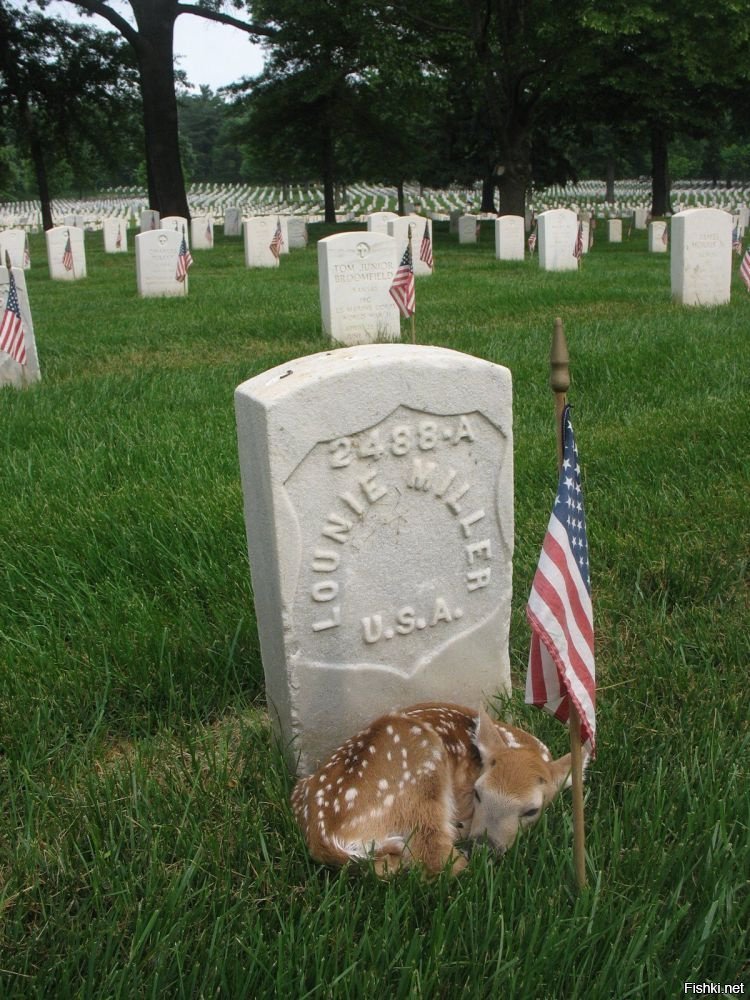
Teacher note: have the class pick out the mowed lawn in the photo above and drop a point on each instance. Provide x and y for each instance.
(146, 842)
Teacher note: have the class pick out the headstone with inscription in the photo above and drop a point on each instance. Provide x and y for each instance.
(355, 271)
(701, 260)
(468, 226)
(149, 220)
(202, 232)
(297, 232)
(115, 233)
(12, 371)
(614, 230)
(178, 224)
(15, 243)
(510, 237)
(658, 236)
(156, 257)
(377, 222)
(399, 228)
(258, 233)
(558, 231)
(232, 222)
(66, 254)
(378, 490)
(640, 218)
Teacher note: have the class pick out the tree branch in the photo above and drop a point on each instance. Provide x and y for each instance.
(127, 30)
(234, 22)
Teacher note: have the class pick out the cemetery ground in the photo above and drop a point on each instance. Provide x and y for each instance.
(146, 842)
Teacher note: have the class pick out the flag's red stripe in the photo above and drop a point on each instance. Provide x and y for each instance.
(551, 599)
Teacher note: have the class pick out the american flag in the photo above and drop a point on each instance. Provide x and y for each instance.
(578, 249)
(277, 242)
(26, 254)
(12, 340)
(425, 248)
(402, 286)
(745, 270)
(737, 241)
(561, 657)
(118, 241)
(67, 257)
(665, 234)
(184, 261)
(532, 241)
(153, 220)
(209, 234)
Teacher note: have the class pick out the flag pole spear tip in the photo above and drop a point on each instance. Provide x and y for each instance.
(559, 360)
(7, 260)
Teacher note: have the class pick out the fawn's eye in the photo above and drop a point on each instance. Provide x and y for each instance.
(476, 795)
(530, 813)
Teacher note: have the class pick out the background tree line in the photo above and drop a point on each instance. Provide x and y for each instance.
(513, 93)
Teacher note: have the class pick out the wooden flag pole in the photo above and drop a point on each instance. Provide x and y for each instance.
(560, 383)
(411, 255)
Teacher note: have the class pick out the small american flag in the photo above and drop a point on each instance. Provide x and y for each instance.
(12, 340)
(26, 254)
(67, 257)
(578, 249)
(737, 241)
(209, 233)
(184, 261)
(665, 235)
(153, 220)
(425, 248)
(532, 241)
(402, 286)
(277, 242)
(118, 241)
(745, 269)
(561, 657)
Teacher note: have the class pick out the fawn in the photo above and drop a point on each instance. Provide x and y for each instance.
(406, 788)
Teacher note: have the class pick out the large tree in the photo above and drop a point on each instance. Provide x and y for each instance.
(152, 40)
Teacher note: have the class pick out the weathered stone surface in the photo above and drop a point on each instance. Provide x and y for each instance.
(510, 237)
(701, 259)
(355, 271)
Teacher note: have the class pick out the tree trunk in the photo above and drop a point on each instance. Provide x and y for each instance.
(329, 192)
(40, 167)
(512, 189)
(488, 192)
(610, 193)
(660, 183)
(400, 192)
(155, 54)
(514, 175)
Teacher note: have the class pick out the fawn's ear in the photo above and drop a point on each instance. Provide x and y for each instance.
(487, 739)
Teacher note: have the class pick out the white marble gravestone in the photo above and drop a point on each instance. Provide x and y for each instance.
(232, 222)
(156, 256)
(115, 233)
(149, 220)
(614, 230)
(64, 266)
(178, 224)
(701, 259)
(14, 242)
(558, 231)
(202, 232)
(378, 490)
(398, 228)
(355, 271)
(258, 234)
(510, 237)
(377, 222)
(657, 240)
(640, 218)
(297, 232)
(11, 372)
(467, 229)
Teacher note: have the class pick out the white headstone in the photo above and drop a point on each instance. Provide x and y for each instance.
(115, 235)
(178, 224)
(658, 236)
(467, 229)
(640, 218)
(378, 490)
(258, 233)
(377, 222)
(453, 218)
(399, 227)
(202, 232)
(11, 371)
(510, 237)
(558, 231)
(149, 220)
(585, 234)
(614, 230)
(14, 242)
(66, 255)
(701, 259)
(156, 257)
(355, 271)
(297, 231)
(232, 222)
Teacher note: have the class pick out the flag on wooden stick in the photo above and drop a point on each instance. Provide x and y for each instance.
(425, 248)
(532, 241)
(402, 286)
(559, 610)
(12, 340)
(67, 257)
(26, 253)
(745, 270)
(277, 242)
(209, 233)
(737, 240)
(578, 249)
(184, 260)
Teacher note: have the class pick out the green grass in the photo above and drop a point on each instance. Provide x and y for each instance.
(146, 844)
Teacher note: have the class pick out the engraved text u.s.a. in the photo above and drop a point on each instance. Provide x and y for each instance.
(401, 539)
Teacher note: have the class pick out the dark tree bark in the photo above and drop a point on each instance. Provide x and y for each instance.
(610, 194)
(40, 167)
(400, 194)
(660, 182)
(329, 170)
(488, 192)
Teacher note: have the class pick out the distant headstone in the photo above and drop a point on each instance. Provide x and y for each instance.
(297, 232)
(232, 222)
(258, 234)
(12, 372)
(149, 220)
(178, 224)
(378, 490)
(399, 227)
(468, 229)
(453, 218)
(156, 257)
(701, 258)
(15, 242)
(558, 231)
(377, 222)
(614, 230)
(640, 218)
(202, 232)
(510, 237)
(115, 233)
(355, 271)
(658, 236)
(66, 254)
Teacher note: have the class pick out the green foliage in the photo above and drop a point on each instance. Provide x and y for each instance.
(146, 843)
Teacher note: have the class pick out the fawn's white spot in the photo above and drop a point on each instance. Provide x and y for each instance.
(351, 794)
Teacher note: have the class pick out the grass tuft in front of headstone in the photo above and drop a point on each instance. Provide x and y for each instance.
(147, 844)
